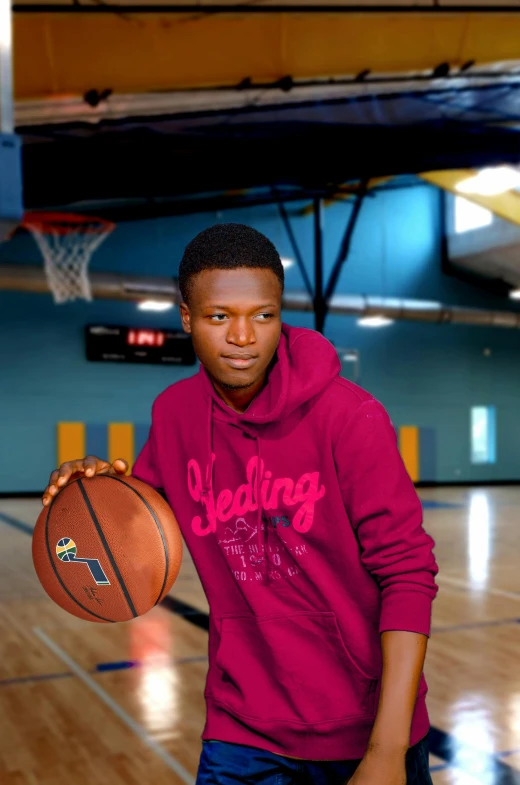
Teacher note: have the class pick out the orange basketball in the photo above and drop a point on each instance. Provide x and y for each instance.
(107, 548)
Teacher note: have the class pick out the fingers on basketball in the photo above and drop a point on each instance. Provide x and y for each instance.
(120, 466)
(80, 467)
(91, 464)
(70, 470)
(53, 479)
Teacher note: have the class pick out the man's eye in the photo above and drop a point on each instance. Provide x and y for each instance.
(218, 316)
(267, 316)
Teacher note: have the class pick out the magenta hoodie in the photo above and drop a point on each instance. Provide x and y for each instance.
(300, 585)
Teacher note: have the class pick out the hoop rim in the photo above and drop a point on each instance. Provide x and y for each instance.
(66, 223)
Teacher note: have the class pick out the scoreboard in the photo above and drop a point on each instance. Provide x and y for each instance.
(118, 343)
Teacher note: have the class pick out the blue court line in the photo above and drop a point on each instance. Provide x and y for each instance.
(431, 504)
(16, 524)
(37, 677)
(101, 667)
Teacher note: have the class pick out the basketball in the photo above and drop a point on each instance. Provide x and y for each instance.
(107, 549)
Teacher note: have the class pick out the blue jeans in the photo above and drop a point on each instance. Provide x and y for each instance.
(222, 763)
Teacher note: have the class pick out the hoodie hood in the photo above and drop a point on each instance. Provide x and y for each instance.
(305, 363)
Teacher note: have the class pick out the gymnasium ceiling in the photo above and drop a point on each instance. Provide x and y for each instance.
(133, 107)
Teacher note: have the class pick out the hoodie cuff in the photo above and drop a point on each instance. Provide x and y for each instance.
(409, 611)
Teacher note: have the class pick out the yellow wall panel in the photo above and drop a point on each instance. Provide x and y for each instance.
(409, 447)
(121, 442)
(71, 441)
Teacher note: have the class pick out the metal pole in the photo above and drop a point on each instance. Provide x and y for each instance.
(319, 299)
(248, 8)
(6, 69)
(117, 286)
(346, 242)
(295, 247)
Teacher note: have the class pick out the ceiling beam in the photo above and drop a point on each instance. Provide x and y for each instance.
(60, 51)
(244, 8)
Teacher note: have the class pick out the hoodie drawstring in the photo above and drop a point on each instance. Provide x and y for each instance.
(209, 468)
(258, 501)
(208, 485)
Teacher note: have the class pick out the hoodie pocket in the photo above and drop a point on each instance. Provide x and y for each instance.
(290, 668)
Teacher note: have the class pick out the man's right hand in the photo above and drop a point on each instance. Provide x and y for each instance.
(86, 467)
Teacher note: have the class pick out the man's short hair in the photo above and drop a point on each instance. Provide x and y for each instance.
(228, 247)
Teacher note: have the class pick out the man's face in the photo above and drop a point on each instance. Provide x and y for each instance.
(234, 318)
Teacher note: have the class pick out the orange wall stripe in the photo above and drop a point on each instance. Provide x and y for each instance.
(121, 442)
(409, 447)
(71, 441)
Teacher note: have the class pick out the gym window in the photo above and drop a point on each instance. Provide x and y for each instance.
(483, 434)
(470, 216)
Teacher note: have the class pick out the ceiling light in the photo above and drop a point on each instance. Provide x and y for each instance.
(515, 294)
(287, 263)
(375, 321)
(155, 305)
(490, 181)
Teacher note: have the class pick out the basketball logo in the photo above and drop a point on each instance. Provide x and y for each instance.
(66, 550)
(66, 547)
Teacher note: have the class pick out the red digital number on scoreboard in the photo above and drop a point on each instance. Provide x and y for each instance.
(145, 338)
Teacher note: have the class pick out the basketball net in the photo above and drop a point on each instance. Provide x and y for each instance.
(67, 242)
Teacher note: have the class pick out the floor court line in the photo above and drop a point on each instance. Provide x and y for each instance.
(16, 524)
(510, 595)
(134, 726)
(475, 625)
(36, 677)
(103, 667)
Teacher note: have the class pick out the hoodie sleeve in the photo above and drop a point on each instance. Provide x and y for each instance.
(146, 466)
(386, 514)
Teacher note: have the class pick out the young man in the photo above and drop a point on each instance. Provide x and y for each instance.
(306, 532)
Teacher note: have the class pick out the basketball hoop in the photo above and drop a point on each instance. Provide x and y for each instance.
(67, 242)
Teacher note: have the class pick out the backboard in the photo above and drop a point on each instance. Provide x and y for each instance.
(11, 198)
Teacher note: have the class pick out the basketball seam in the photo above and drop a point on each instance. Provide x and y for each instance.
(107, 549)
(97, 616)
(158, 523)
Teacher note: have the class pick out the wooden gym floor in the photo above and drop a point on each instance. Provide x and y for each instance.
(88, 704)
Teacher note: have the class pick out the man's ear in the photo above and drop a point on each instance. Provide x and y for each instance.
(185, 317)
